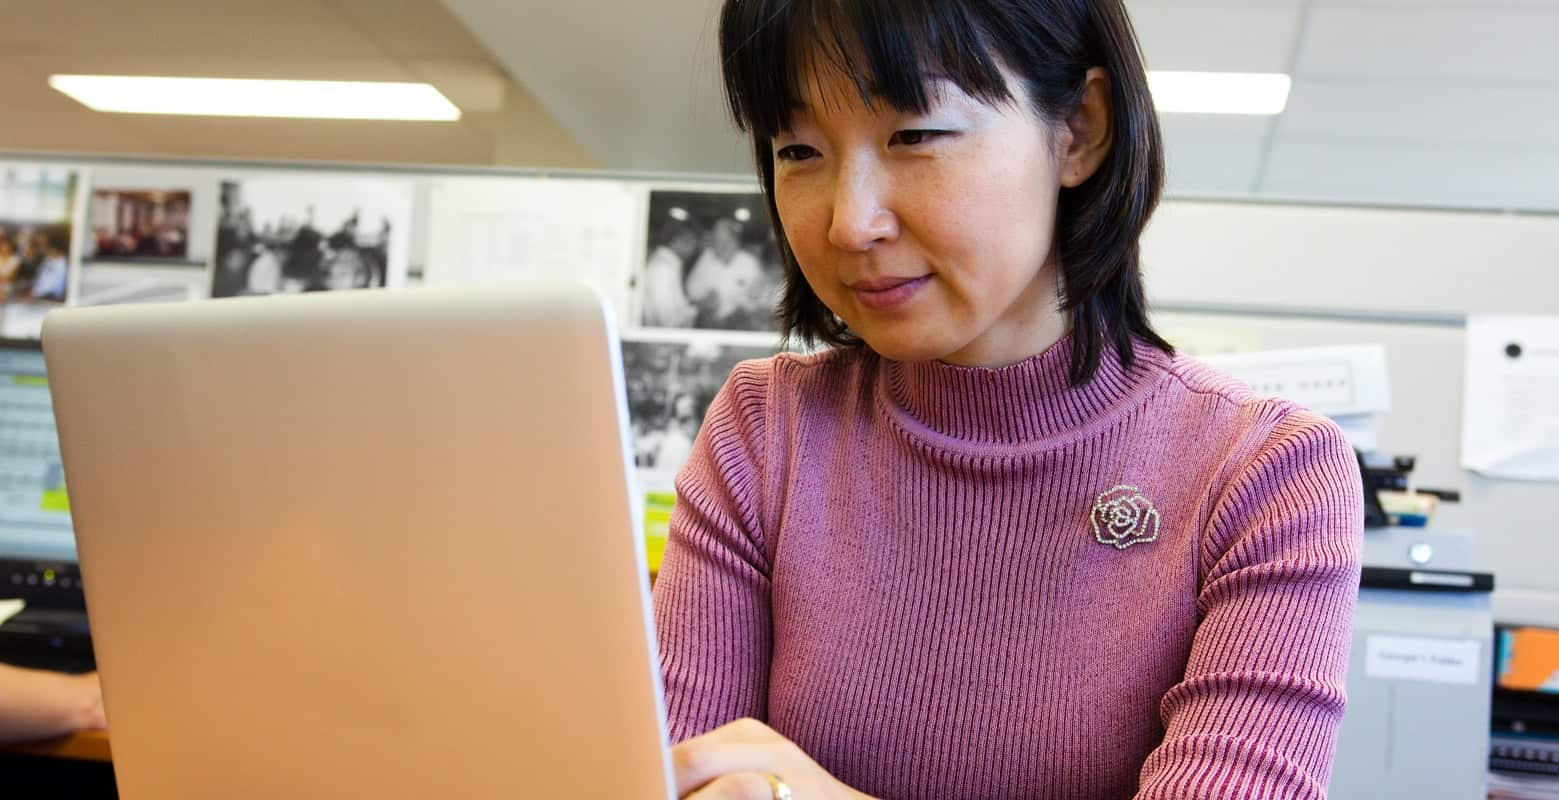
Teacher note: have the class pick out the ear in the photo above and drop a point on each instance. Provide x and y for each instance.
(1086, 140)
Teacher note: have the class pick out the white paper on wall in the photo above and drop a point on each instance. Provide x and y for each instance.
(1510, 406)
(1414, 658)
(483, 230)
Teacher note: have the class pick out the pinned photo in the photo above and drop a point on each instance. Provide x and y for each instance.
(711, 263)
(670, 387)
(288, 236)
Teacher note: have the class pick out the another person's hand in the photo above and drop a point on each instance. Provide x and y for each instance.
(737, 762)
(84, 694)
(35, 704)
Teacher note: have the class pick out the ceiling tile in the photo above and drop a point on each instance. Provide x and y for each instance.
(216, 28)
(411, 28)
(1473, 44)
(1242, 38)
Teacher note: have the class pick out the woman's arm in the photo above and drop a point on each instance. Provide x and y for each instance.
(712, 594)
(1257, 713)
(40, 705)
(712, 614)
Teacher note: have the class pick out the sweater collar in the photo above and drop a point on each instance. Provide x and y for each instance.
(1031, 402)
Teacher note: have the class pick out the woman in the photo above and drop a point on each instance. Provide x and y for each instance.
(997, 540)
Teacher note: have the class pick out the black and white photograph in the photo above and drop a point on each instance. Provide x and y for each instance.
(295, 235)
(710, 262)
(670, 387)
(139, 225)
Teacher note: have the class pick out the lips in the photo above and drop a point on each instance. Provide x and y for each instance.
(881, 284)
(883, 294)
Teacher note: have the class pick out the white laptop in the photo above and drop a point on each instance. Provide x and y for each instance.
(362, 544)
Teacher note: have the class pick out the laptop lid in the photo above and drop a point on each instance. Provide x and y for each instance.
(367, 544)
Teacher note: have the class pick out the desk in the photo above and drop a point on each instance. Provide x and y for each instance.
(75, 766)
(83, 746)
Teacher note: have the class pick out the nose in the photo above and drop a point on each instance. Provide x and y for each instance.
(862, 217)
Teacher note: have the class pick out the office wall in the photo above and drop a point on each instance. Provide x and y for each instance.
(1352, 259)
(1271, 276)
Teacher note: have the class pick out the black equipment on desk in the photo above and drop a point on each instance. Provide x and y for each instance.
(1525, 712)
(1389, 473)
(52, 631)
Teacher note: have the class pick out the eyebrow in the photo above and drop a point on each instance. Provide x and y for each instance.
(933, 86)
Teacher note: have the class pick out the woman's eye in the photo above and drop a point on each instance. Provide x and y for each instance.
(795, 152)
(914, 137)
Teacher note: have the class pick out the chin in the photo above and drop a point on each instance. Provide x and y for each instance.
(907, 347)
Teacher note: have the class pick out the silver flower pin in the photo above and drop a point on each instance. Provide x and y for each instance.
(1122, 517)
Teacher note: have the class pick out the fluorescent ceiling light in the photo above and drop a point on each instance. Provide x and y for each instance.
(223, 97)
(1219, 92)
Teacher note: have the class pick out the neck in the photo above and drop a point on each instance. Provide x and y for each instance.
(1030, 326)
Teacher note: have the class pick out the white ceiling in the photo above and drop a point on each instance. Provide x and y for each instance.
(635, 81)
(387, 40)
(1411, 102)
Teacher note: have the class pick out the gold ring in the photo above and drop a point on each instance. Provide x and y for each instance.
(780, 788)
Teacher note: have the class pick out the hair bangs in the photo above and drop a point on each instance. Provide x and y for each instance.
(778, 53)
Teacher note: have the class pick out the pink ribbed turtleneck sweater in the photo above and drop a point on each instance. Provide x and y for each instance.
(945, 582)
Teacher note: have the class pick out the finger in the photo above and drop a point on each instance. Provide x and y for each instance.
(698, 763)
(736, 786)
(745, 729)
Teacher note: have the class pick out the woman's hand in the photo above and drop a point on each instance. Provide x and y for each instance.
(735, 762)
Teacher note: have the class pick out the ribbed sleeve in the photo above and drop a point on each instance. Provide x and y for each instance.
(1257, 714)
(712, 614)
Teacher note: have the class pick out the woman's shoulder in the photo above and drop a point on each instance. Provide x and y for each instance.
(1262, 425)
(765, 400)
(787, 379)
(797, 370)
(1217, 395)
(1200, 378)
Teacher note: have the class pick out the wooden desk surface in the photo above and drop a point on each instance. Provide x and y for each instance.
(85, 745)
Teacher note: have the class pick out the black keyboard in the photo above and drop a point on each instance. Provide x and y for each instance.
(1524, 755)
(45, 630)
(69, 619)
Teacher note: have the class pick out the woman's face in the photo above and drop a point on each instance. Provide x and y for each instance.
(928, 235)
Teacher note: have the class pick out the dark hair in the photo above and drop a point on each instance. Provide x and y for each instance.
(889, 47)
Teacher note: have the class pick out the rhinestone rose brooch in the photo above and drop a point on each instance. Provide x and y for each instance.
(1122, 517)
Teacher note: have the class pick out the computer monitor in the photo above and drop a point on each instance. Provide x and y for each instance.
(1528, 660)
(1526, 679)
(34, 508)
(37, 541)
